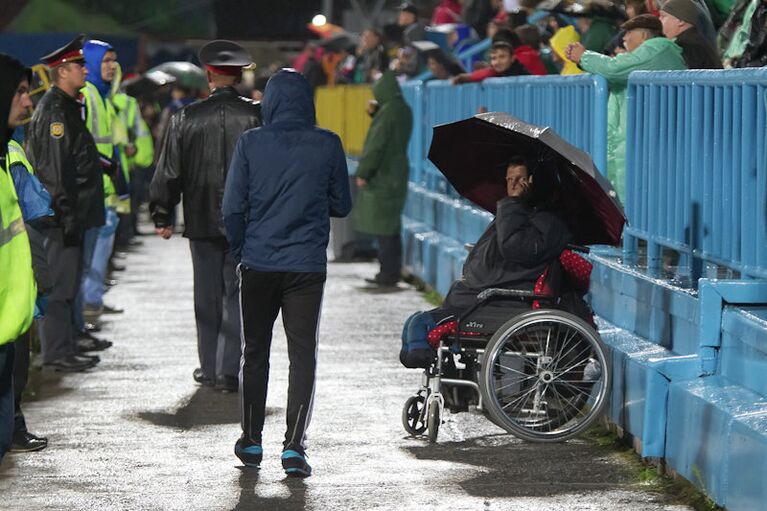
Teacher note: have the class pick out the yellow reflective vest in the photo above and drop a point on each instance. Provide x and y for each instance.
(18, 289)
(107, 130)
(138, 132)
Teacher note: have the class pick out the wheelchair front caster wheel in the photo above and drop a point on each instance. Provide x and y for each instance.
(414, 415)
(434, 420)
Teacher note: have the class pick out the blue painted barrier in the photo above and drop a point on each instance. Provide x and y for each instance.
(696, 170)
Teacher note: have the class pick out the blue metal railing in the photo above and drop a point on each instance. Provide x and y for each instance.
(696, 170)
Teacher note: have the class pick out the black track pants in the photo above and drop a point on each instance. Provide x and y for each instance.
(262, 296)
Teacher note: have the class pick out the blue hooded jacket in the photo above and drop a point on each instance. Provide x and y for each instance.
(285, 181)
(94, 52)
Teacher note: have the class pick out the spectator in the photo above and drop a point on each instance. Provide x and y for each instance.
(442, 66)
(407, 63)
(636, 7)
(597, 32)
(502, 63)
(371, 57)
(412, 29)
(559, 43)
(382, 176)
(285, 180)
(647, 50)
(528, 50)
(448, 11)
(679, 19)
(308, 64)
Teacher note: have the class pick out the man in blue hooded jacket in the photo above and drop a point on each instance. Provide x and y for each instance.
(285, 181)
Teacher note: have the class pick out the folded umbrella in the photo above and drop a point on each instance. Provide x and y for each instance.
(472, 154)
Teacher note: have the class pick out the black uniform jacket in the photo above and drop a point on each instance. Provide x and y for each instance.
(64, 155)
(197, 149)
(515, 249)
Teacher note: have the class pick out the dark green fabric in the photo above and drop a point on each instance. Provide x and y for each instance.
(599, 34)
(384, 164)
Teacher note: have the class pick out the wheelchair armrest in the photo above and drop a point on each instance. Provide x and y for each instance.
(521, 294)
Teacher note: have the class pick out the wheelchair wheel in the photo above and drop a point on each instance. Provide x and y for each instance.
(413, 415)
(434, 421)
(545, 376)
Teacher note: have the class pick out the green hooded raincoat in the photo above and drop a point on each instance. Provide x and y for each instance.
(384, 164)
(656, 54)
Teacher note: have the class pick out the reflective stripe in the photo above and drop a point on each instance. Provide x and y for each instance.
(15, 228)
(93, 112)
(16, 149)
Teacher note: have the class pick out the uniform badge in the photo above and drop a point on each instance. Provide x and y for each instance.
(57, 129)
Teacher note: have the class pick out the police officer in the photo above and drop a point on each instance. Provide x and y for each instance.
(64, 155)
(197, 149)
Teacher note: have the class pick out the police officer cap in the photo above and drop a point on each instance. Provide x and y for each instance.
(222, 53)
(70, 52)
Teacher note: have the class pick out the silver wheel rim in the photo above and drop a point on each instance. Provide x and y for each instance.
(545, 376)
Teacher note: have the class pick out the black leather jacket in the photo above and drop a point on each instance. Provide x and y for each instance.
(64, 156)
(197, 148)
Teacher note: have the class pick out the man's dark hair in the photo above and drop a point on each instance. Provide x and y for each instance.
(529, 35)
(517, 161)
(508, 36)
(502, 45)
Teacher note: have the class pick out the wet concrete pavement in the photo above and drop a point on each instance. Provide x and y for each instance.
(137, 433)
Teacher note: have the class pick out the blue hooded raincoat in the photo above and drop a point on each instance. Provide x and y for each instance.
(285, 181)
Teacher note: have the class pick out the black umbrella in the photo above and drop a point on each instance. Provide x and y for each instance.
(472, 155)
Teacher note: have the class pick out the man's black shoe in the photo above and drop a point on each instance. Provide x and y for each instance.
(93, 359)
(119, 255)
(89, 342)
(378, 281)
(27, 442)
(200, 378)
(92, 327)
(111, 310)
(116, 267)
(70, 364)
(110, 282)
(228, 384)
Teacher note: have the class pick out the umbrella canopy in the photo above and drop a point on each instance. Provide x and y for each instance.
(472, 154)
(186, 74)
(147, 83)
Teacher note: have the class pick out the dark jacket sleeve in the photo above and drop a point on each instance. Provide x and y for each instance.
(528, 237)
(166, 186)
(338, 192)
(88, 175)
(39, 259)
(235, 204)
(49, 154)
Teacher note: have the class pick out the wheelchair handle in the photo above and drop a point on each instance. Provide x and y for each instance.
(578, 248)
(510, 293)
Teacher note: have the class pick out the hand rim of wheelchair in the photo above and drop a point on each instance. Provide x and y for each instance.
(534, 430)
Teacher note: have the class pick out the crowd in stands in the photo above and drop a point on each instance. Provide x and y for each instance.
(472, 40)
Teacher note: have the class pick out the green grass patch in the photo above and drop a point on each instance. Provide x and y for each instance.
(645, 474)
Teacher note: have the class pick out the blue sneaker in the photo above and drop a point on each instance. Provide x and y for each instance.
(294, 463)
(250, 455)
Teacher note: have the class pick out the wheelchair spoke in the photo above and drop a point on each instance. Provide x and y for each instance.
(576, 364)
(561, 355)
(524, 396)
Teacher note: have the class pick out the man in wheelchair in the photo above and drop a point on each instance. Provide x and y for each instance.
(525, 249)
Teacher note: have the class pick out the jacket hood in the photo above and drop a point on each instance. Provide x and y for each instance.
(288, 97)
(386, 88)
(11, 73)
(94, 52)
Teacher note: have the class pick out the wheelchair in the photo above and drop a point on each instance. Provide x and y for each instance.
(543, 375)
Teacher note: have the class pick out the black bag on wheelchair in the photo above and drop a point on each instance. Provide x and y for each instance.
(416, 351)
